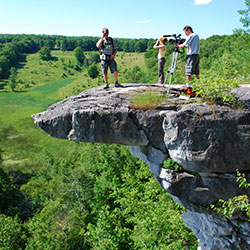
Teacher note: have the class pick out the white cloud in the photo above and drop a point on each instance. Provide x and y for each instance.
(201, 2)
(144, 21)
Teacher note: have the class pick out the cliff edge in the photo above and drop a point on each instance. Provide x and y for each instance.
(209, 142)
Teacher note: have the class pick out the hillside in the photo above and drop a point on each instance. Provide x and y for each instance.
(42, 83)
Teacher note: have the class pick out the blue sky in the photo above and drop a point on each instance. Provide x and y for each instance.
(125, 19)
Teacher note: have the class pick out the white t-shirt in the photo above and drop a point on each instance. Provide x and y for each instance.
(192, 44)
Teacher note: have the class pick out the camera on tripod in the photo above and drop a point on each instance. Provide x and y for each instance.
(176, 39)
(176, 52)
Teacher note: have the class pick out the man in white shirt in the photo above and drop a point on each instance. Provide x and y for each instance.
(192, 44)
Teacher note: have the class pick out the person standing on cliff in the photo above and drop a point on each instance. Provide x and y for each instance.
(192, 44)
(108, 52)
(160, 45)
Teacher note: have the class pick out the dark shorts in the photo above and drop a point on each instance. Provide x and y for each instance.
(108, 63)
(192, 65)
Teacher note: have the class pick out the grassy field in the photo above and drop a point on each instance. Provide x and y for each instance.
(41, 84)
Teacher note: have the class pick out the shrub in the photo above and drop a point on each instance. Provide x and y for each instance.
(12, 233)
(216, 90)
(93, 72)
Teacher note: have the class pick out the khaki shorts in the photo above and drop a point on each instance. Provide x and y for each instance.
(108, 63)
(192, 65)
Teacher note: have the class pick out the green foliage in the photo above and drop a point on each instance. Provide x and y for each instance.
(102, 198)
(245, 19)
(45, 53)
(1, 157)
(87, 195)
(235, 205)
(12, 233)
(9, 56)
(56, 227)
(10, 196)
(135, 75)
(140, 46)
(150, 58)
(241, 178)
(94, 58)
(217, 90)
(93, 71)
(12, 80)
(80, 57)
(171, 164)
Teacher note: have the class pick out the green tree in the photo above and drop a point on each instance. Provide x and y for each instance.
(10, 196)
(101, 197)
(12, 79)
(4, 67)
(135, 75)
(93, 71)
(245, 19)
(94, 58)
(79, 55)
(45, 53)
(125, 46)
(64, 44)
(12, 233)
(140, 46)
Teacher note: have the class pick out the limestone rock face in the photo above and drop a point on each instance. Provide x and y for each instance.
(206, 139)
(209, 142)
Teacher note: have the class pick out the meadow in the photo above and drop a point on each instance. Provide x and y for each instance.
(43, 83)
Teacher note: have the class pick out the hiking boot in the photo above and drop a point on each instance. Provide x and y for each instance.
(117, 85)
(106, 87)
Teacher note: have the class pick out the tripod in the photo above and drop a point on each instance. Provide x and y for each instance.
(172, 66)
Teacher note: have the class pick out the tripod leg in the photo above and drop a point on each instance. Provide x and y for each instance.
(169, 68)
(182, 64)
(173, 68)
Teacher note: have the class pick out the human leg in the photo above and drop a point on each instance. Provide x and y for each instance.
(104, 67)
(161, 63)
(116, 76)
(113, 69)
(192, 68)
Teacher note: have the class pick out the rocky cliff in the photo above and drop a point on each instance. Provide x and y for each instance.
(209, 142)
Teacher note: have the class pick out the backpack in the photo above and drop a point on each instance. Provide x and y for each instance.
(112, 41)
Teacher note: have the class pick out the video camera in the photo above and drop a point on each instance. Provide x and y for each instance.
(177, 39)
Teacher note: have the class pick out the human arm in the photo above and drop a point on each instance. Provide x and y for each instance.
(158, 45)
(99, 42)
(179, 45)
(114, 54)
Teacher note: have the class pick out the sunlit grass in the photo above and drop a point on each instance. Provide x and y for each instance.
(147, 100)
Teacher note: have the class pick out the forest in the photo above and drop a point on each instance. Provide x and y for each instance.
(57, 194)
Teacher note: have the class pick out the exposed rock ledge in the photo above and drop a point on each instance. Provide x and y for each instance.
(212, 141)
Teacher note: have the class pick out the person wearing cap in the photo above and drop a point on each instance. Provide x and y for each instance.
(192, 44)
(108, 52)
(160, 45)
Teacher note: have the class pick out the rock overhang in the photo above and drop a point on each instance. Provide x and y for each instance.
(199, 137)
